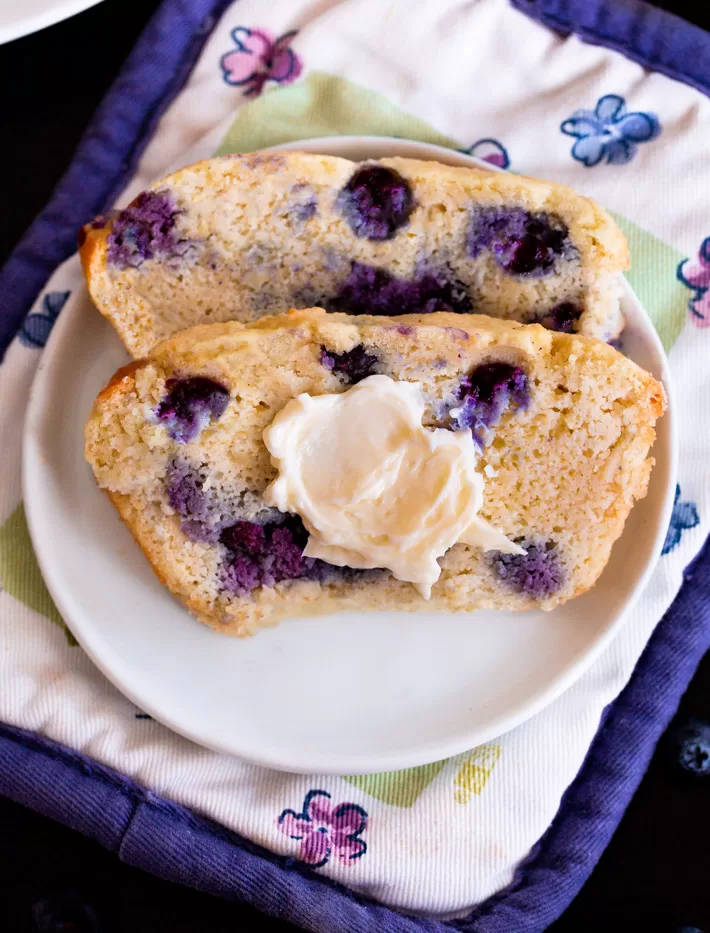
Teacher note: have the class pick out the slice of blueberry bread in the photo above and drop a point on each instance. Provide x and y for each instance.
(237, 237)
(560, 425)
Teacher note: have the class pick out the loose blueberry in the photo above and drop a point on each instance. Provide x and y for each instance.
(369, 290)
(691, 745)
(189, 405)
(485, 394)
(144, 230)
(62, 913)
(376, 202)
(522, 243)
(536, 573)
(562, 317)
(354, 365)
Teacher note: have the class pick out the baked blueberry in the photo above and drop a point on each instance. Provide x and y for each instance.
(485, 394)
(354, 365)
(563, 317)
(523, 243)
(145, 230)
(189, 405)
(263, 555)
(376, 202)
(369, 290)
(537, 573)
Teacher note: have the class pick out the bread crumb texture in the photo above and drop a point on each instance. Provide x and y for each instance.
(242, 236)
(563, 424)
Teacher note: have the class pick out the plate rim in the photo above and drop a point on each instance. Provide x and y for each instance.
(324, 763)
(55, 13)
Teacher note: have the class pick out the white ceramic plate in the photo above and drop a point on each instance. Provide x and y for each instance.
(21, 17)
(347, 694)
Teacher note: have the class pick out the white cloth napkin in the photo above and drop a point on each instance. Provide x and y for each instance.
(478, 75)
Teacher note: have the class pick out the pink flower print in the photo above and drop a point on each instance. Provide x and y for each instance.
(695, 275)
(491, 151)
(259, 58)
(324, 830)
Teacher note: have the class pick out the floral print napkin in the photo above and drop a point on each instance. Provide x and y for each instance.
(483, 78)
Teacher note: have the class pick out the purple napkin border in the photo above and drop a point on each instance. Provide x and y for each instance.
(127, 818)
(651, 37)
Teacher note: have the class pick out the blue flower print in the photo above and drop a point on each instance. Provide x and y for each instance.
(36, 327)
(608, 133)
(685, 515)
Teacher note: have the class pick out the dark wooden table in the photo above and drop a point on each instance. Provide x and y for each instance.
(655, 875)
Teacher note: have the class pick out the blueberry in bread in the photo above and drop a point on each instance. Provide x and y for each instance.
(237, 237)
(557, 427)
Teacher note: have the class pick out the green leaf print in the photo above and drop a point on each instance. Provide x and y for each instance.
(19, 572)
(398, 788)
(653, 277)
(323, 105)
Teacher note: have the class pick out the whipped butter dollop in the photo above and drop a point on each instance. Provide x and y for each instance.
(373, 486)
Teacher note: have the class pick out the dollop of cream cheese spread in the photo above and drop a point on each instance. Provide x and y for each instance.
(373, 486)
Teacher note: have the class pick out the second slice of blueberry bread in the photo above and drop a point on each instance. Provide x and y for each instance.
(562, 426)
(237, 237)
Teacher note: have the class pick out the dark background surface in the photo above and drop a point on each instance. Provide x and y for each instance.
(655, 875)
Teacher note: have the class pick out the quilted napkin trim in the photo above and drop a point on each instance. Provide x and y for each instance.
(126, 818)
(658, 40)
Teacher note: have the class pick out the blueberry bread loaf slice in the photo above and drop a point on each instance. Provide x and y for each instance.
(551, 432)
(237, 237)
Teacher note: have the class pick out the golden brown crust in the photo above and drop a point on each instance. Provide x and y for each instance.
(90, 247)
(127, 515)
(118, 381)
